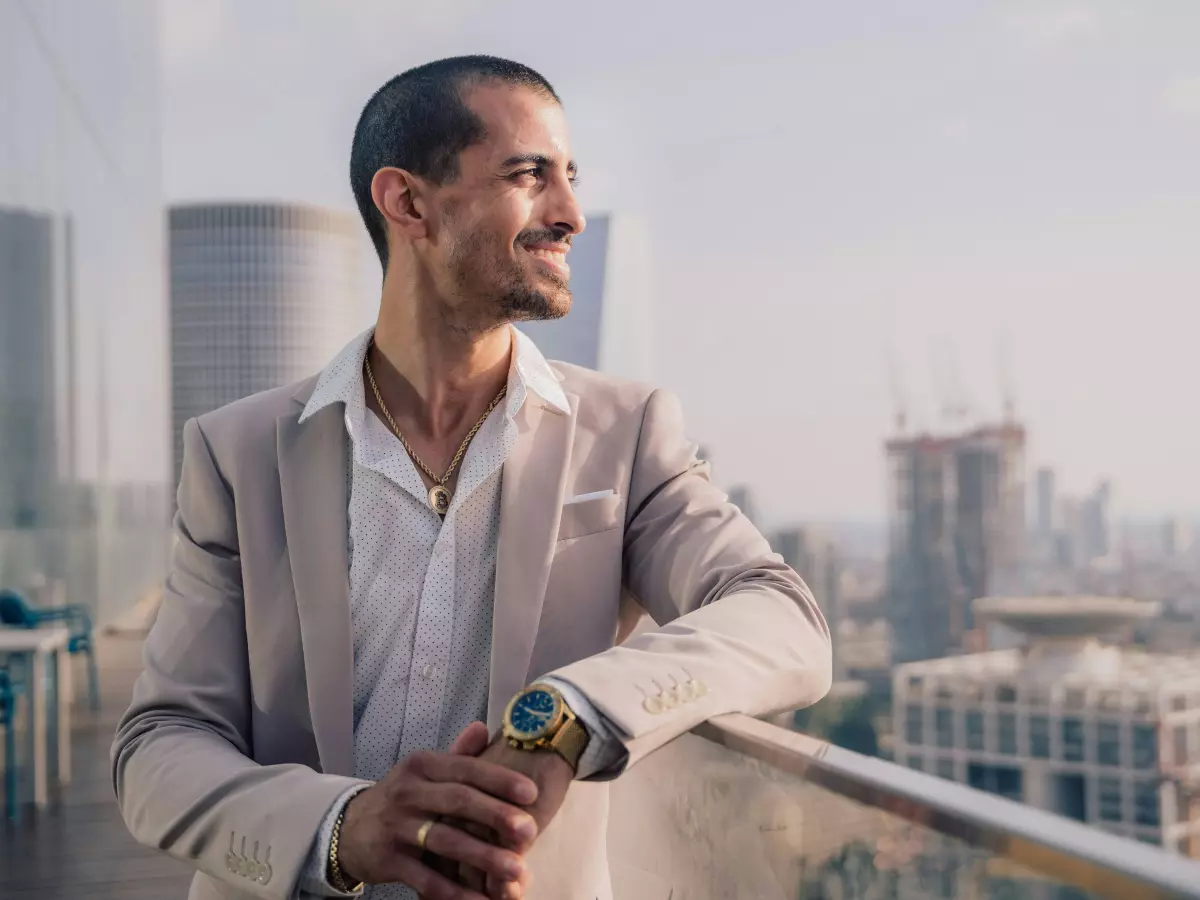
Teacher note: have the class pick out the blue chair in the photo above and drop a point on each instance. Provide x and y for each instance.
(15, 611)
(10, 689)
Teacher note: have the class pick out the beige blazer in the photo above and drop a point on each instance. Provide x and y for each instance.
(239, 736)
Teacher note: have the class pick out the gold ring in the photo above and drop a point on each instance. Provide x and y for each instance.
(423, 832)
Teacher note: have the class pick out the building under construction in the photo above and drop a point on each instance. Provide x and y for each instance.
(956, 533)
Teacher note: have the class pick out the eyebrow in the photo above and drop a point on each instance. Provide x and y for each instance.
(537, 159)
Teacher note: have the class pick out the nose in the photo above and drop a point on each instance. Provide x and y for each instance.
(565, 211)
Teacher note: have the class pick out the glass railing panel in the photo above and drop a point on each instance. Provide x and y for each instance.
(700, 821)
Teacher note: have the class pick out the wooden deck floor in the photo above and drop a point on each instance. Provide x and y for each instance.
(79, 847)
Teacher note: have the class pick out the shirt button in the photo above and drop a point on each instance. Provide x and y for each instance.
(429, 672)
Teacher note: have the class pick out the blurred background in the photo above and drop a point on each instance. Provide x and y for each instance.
(924, 275)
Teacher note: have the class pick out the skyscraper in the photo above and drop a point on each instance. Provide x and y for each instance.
(742, 496)
(261, 295)
(1044, 528)
(1097, 526)
(609, 325)
(84, 457)
(814, 557)
(1176, 537)
(956, 532)
(27, 357)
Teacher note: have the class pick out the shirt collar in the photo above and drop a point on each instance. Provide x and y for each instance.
(538, 376)
(341, 380)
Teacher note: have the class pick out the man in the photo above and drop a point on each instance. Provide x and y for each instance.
(442, 528)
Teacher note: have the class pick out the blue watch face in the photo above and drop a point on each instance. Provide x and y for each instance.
(532, 712)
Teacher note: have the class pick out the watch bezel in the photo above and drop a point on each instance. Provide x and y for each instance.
(549, 728)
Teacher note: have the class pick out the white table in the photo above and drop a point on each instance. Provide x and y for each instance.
(38, 646)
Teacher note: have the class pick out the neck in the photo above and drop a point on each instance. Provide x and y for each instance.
(431, 373)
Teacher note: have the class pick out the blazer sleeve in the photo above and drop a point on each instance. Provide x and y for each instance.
(738, 630)
(181, 760)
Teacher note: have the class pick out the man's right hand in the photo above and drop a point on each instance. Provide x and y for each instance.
(378, 842)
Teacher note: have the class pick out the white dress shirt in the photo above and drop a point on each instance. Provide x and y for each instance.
(422, 587)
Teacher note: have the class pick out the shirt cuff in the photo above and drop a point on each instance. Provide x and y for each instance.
(314, 877)
(605, 756)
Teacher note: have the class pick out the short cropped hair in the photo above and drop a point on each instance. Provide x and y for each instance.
(419, 122)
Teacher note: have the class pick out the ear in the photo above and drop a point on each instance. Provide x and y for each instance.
(397, 196)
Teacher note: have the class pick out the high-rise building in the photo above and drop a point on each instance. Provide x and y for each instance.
(1084, 532)
(956, 532)
(1069, 723)
(1176, 537)
(83, 348)
(28, 424)
(1097, 525)
(742, 496)
(609, 325)
(1069, 540)
(814, 557)
(261, 295)
(1045, 526)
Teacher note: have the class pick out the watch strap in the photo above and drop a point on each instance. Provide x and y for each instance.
(570, 742)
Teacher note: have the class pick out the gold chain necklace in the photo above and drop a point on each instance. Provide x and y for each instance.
(439, 494)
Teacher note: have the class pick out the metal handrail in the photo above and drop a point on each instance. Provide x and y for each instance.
(1057, 848)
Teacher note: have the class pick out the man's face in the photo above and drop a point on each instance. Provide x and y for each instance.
(506, 223)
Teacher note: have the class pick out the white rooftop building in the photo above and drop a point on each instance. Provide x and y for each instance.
(262, 294)
(609, 325)
(1103, 734)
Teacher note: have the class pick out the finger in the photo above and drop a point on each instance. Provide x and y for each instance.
(487, 776)
(474, 810)
(426, 882)
(471, 741)
(472, 878)
(497, 889)
(450, 843)
(518, 842)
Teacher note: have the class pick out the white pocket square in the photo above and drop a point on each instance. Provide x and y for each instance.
(594, 495)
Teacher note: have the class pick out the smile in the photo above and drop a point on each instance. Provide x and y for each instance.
(554, 258)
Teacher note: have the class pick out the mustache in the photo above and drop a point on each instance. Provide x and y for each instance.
(544, 236)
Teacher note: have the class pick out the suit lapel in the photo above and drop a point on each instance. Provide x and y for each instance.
(312, 474)
(530, 508)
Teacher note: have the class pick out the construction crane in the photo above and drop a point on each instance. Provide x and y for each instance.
(899, 401)
(1008, 398)
(948, 384)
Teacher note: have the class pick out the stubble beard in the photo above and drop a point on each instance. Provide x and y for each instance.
(525, 303)
(501, 297)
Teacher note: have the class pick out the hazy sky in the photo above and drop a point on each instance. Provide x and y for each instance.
(823, 185)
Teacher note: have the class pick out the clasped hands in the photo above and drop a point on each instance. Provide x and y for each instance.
(489, 803)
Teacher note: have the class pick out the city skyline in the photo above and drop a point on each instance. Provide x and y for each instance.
(819, 185)
(919, 276)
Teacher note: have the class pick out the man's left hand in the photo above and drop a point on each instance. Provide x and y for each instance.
(553, 775)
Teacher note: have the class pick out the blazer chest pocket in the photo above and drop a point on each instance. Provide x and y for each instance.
(589, 516)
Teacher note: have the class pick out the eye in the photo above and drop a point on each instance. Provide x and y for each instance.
(534, 172)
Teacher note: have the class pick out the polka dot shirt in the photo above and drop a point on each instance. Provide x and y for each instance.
(421, 588)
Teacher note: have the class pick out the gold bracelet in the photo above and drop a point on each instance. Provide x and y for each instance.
(336, 878)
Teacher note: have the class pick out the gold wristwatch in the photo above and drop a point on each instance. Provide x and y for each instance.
(538, 718)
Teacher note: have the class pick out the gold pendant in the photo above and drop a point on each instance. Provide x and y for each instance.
(439, 499)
